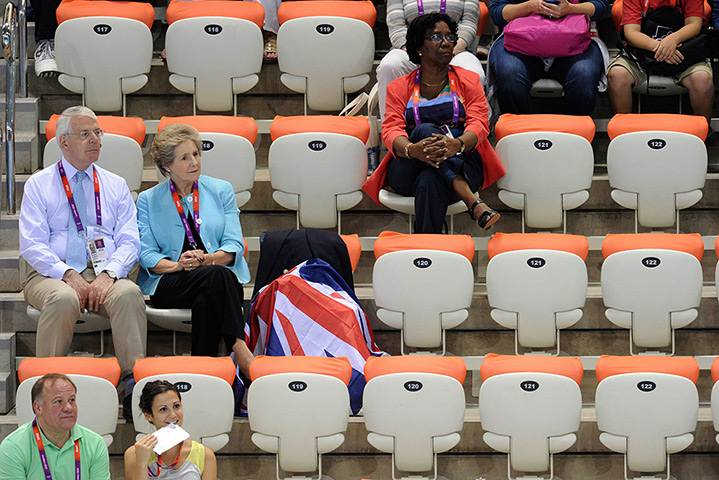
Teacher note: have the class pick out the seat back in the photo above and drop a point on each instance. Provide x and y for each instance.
(647, 407)
(95, 379)
(530, 407)
(214, 50)
(121, 151)
(298, 408)
(401, 390)
(657, 165)
(205, 384)
(537, 284)
(444, 278)
(104, 50)
(549, 163)
(227, 148)
(342, 32)
(318, 165)
(715, 395)
(652, 284)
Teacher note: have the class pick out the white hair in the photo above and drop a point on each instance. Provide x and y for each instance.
(63, 123)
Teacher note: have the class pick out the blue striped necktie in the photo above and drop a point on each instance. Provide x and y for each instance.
(76, 256)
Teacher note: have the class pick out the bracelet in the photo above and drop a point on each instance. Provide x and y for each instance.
(461, 143)
(406, 150)
(213, 258)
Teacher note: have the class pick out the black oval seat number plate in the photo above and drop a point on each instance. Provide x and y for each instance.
(536, 262)
(207, 145)
(325, 29)
(413, 386)
(529, 386)
(543, 144)
(422, 262)
(646, 386)
(317, 145)
(657, 143)
(651, 262)
(183, 387)
(102, 29)
(213, 29)
(297, 386)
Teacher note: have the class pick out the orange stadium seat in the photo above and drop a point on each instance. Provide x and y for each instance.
(549, 162)
(647, 409)
(401, 390)
(318, 165)
(423, 285)
(537, 285)
(652, 285)
(715, 396)
(530, 408)
(104, 50)
(214, 50)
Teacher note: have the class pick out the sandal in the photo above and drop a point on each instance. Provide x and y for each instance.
(487, 218)
(270, 53)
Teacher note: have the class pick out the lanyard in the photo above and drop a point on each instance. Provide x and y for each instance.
(453, 89)
(195, 212)
(442, 7)
(71, 200)
(43, 456)
(159, 463)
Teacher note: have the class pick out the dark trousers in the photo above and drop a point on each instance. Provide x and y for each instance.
(45, 20)
(432, 187)
(215, 297)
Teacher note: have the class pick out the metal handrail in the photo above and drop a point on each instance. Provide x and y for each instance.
(9, 44)
(22, 45)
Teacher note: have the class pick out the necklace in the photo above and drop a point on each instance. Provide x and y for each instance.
(436, 84)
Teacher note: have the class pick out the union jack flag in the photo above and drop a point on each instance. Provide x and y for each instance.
(312, 311)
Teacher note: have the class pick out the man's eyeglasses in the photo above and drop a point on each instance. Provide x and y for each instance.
(86, 134)
(437, 37)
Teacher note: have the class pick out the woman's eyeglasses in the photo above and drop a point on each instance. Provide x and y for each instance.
(437, 37)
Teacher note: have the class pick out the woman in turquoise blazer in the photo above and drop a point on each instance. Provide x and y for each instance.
(192, 245)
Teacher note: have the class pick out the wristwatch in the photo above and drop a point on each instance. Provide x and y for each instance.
(110, 274)
(461, 143)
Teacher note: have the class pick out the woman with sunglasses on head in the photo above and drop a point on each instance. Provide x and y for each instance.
(161, 404)
(436, 130)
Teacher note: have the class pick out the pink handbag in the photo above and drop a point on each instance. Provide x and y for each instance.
(540, 36)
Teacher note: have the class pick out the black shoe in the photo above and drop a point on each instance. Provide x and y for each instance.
(127, 399)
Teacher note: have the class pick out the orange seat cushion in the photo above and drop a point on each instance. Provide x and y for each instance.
(691, 243)
(483, 17)
(509, 124)
(667, 122)
(394, 242)
(107, 368)
(609, 365)
(715, 369)
(507, 242)
(132, 127)
(354, 126)
(716, 246)
(334, 367)
(70, 9)
(354, 248)
(220, 367)
(494, 364)
(241, 126)
(360, 10)
(451, 366)
(251, 11)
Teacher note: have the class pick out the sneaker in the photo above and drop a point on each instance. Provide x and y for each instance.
(127, 399)
(45, 64)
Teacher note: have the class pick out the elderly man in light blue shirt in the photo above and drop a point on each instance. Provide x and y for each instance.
(78, 232)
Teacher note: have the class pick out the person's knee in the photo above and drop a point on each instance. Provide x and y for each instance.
(619, 79)
(392, 65)
(64, 302)
(126, 293)
(699, 83)
(423, 130)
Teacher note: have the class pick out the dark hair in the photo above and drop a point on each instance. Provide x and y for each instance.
(153, 389)
(39, 387)
(417, 30)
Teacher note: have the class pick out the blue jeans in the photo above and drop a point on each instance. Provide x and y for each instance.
(514, 74)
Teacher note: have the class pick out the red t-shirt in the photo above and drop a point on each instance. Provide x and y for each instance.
(632, 9)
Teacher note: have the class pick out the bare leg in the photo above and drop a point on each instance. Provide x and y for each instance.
(461, 188)
(243, 356)
(620, 89)
(701, 93)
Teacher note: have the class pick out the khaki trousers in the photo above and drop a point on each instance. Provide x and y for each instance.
(60, 308)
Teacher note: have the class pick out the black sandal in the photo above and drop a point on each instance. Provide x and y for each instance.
(487, 218)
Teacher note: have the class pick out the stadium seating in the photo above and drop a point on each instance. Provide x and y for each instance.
(95, 379)
(205, 385)
(342, 32)
(121, 151)
(423, 285)
(652, 285)
(530, 409)
(214, 50)
(104, 50)
(537, 285)
(227, 147)
(647, 409)
(549, 162)
(657, 165)
(318, 165)
(298, 408)
(414, 409)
